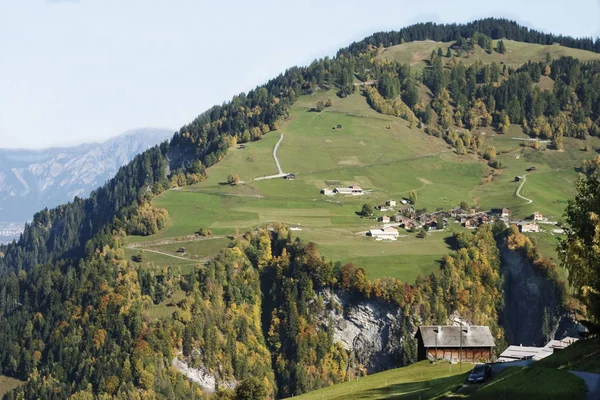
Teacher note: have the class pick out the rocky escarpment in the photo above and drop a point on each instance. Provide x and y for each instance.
(370, 330)
(208, 381)
(533, 312)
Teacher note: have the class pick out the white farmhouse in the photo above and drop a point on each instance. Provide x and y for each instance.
(528, 227)
(388, 233)
(354, 190)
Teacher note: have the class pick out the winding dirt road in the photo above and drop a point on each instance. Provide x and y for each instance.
(518, 193)
(281, 174)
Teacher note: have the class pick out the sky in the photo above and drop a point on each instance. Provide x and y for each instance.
(75, 71)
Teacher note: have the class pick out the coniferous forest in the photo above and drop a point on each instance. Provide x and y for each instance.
(73, 308)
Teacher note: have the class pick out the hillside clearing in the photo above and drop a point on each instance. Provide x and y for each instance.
(7, 384)
(532, 383)
(423, 380)
(381, 154)
(583, 355)
(417, 53)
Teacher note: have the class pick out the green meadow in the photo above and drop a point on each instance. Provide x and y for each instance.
(423, 380)
(7, 384)
(416, 54)
(349, 143)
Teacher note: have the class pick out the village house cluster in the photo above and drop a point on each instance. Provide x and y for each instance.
(410, 219)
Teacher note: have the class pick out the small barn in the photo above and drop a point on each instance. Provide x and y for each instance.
(526, 226)
(388, 233)
(455, 343)
(385, 219)
(537, 216)
(500, 212)
(290, 177)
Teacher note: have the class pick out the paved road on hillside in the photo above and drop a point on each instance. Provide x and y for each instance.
(281, 174)
(529, 201)
(275, 154)
(592, 381)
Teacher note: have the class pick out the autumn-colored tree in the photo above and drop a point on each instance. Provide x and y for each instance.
(579, 252)
(250, 389)
(412, 196)
(503, 122)
(233, 179)
(490, 153)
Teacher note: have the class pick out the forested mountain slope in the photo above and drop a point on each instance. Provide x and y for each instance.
(77, 313)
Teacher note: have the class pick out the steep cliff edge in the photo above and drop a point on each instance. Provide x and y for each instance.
(370, 330)
(533, 310)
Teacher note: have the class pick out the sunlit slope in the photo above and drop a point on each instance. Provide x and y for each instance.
(349, 143)
(416, 54)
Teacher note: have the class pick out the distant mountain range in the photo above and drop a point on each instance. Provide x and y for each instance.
(33, 179)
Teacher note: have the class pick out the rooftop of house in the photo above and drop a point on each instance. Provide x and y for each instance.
(548, 349)
(514, 352)
(389, 229)
(455, 336)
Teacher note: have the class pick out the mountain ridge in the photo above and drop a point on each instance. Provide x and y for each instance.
(33, 179)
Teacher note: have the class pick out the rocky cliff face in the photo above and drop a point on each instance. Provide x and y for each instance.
(532, 311)
(33, 179)
(370, 330)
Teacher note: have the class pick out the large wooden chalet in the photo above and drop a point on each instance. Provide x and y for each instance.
(455, 343)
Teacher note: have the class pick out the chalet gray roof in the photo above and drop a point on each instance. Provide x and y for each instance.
(450, 336)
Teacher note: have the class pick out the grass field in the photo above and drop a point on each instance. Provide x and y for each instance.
(384, 156)
(417, 53)
(532, 383)
(167, 307)
(7, 384)
(158, 261)
(378, 152)
(583, 355)
(422, 380)
(545, 379)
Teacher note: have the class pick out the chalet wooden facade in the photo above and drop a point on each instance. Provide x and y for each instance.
(455, 343)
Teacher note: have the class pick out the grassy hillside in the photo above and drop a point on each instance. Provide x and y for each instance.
(383, 155)
(416, 54)
(531, 383)
(422, 380)
(583, 355)
(7, 384)
(546, 379)
(376, 151)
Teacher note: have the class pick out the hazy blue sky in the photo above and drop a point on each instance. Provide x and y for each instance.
(78, 71)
